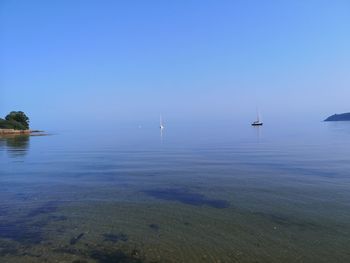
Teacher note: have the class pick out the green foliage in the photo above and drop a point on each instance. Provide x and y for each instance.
(18, 119)
(4, 124)
(15, 120)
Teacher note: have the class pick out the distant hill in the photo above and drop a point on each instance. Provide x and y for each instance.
(339, 117)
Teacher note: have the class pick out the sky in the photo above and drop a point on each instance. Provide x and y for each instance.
(96, 62)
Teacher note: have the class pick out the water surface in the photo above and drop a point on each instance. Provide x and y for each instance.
(195, 194)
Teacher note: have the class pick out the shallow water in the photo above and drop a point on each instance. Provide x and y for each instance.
(204, 194)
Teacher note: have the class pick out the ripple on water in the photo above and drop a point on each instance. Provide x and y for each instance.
(186, 197)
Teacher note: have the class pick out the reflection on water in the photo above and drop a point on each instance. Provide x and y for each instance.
(161, 135)
(258, 131)
(16, 145)
(206, 195)
(339, 126)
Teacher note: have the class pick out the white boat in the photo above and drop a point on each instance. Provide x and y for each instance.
(161, 125)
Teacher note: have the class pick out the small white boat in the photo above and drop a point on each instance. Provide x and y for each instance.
(161, 125)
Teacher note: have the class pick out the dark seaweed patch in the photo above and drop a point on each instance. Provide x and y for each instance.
(68, 250)
(28, 229)
(287, 221)
(186, 197)
(154, 227)
(57, 218)
(8, 251)
(7, 248)
(104, 256)
(47, 208)
(115, 237)
(74, 240)
(21, 231)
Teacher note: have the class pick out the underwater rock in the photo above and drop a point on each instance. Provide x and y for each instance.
(115, 237)
(154, 227)
(105, 256)
(74, 240)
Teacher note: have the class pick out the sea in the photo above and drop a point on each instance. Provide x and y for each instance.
(203, 193)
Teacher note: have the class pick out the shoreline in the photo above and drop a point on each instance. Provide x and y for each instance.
(13, 131)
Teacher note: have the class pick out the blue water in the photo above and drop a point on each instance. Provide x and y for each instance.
(208, 193)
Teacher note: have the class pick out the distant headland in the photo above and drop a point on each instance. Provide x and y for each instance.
(339, 117)
(16, 122)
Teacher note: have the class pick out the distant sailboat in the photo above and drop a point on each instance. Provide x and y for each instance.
(258, 122)
(161, 125)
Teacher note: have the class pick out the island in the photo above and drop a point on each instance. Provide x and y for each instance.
(16, 122)
(339, 117)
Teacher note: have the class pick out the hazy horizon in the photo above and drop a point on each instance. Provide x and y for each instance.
(80, 62)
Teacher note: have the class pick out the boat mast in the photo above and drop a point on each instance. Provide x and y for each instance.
(161, 122)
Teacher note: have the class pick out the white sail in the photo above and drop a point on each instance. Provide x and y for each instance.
(257, 115)
(258, 121)
(161, 126)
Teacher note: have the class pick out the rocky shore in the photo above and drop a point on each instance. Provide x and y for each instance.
(13, 131)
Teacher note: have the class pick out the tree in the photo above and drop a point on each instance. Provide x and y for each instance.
(18, 116)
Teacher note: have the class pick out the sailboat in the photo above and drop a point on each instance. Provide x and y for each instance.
(257, 122)
(161, 125)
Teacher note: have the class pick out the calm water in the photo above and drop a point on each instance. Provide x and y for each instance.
(206, 194)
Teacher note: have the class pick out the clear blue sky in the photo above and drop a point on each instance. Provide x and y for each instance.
(130, 60)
